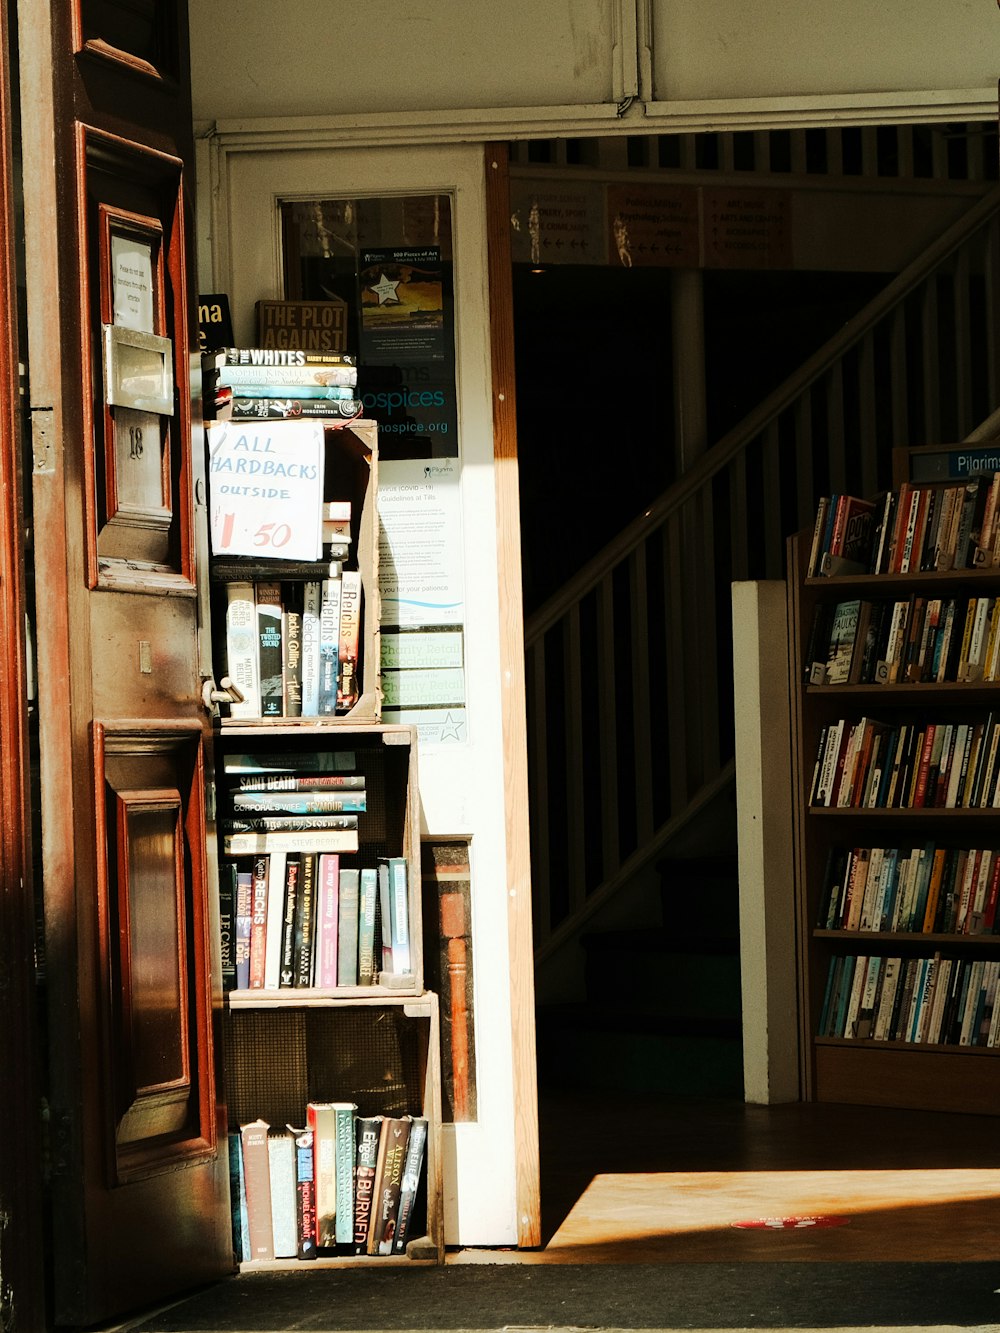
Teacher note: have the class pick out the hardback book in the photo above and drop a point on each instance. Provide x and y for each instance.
(269, 647)
(278, 763)
(305, 1192)
(331, 800)
(368, 1132)
(258, 923)
(327, 840)
(284, 1218)
(293, 867)
(322, 1121)
(416, 1150)
(292, 611)
(819, 527)
(347, 927)
(853, 531)
(305, 920)
(350, 637)
(272, 930)
(241, 568)
(384, 943)
(227, 923)
(238, 1200)
(388, 1183)
(399, 905)
(277, 356)
(344, 1228)
(244, 923)
(329, 644)
(327, 909)
(241, 648)
(302, 392)
(263, 408)
(257, 1175)
(289, 378)
(305, 782)
(367, 902)
(311, 600)
(261, 823)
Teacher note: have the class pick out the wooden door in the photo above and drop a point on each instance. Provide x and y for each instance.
(139, 1176)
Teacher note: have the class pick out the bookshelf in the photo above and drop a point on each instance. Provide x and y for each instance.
(848, 1054)
(295, 1037)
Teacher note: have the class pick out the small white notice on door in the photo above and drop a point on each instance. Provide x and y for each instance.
(266, 489)
(132, 280)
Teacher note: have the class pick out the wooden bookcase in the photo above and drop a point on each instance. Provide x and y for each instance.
(865, 1071)
(376, 1045)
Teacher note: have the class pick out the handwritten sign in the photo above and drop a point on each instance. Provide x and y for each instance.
(266, 488)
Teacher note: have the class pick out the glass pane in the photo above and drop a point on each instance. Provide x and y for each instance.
(390, 260)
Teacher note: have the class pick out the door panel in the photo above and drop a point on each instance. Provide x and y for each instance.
(140, 1171)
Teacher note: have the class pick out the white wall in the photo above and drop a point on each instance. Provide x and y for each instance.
(706, 49)
(522, 67)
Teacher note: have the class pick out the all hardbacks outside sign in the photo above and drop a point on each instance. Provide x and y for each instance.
(266, 489)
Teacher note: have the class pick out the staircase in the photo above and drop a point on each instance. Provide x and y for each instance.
(629, 669)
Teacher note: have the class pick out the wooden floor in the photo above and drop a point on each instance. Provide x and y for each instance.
(679, 1182)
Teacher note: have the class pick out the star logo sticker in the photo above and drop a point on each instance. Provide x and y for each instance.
(385, 290)
(451, 728)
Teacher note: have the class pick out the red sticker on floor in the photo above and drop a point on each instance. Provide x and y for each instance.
(789, 1223)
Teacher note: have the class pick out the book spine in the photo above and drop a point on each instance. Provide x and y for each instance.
(304, 922)
(328, 393)
(238, 1201)
(312, 783)
(284, 1219)
(289, 378)
(338, 800)
(397, 1132)
(258, 823)
(269, 648)
(290, 408)
(368, 1132)
(350, 639)
(257, 1174)
(258, 927)
(286, 976)
(319, 840)
(244, 925)
(291, 648)
(329, 645)
(416, 1149)
(326, 920)
(272, 930)
(366, 926)
(347, 927)
(322, 1121)
(241, 648)
(305, 1193)
(279, 356)
(227, 924)
(400, 914)
(345, 1173)
(311, 601)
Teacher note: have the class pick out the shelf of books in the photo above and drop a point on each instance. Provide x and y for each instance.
(894, 617)
(297, 635)
(323, 973)
(335, 1133)
(331, 1044)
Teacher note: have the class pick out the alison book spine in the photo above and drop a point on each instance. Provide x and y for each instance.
(386, 1208)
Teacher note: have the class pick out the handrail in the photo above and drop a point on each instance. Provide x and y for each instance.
(720, 454)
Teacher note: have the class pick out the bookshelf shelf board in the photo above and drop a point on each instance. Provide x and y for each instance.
(425, 1254)
(909, 937)
(904, 813)
(257, 726)
(972, 691)
(853, 1043)
(886, 584)
(414, 1001)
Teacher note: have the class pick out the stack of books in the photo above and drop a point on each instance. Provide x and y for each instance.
(267, 383)
(301, 907)
(340, 1183)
